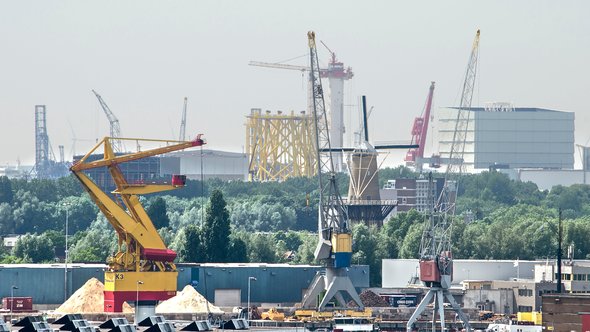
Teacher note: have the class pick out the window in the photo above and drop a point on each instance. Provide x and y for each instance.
(525, 292)
(525, 308)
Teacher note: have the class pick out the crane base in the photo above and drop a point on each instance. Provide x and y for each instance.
(336, 283)
(438, 295)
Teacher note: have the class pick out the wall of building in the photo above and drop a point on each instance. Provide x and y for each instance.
(398, 272)
(276, 283)
(561, 312)
(521, 138)
(495, 300)
(215, 164)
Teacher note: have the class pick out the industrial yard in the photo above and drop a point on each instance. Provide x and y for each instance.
(254, 180)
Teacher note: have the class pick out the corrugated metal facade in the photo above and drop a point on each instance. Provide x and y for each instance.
(276, 283)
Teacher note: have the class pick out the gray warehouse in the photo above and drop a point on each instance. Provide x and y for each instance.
(224, 285)
(502, 136)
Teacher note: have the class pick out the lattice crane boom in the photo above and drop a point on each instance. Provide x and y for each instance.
(436, 259)
(115, 128)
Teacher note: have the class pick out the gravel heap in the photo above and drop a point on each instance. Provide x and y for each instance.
(88, 299)
(370, 299)
(187, 301)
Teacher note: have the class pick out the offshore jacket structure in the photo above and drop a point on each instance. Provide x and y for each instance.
(143, 268)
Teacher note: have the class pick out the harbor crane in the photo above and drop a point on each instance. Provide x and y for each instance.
(436, 259)
(142, 257)
(115, 128)
(334, 247)
(415, 157)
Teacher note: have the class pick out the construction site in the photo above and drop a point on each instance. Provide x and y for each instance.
(143, 286)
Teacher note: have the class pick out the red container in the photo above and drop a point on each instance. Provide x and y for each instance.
(18, 304)
(178, 180)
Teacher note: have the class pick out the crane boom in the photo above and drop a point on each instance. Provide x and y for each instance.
(115, 129)
(182, 135)
(279, 66)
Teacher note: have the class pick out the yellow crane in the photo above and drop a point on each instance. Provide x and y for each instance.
(142, 270)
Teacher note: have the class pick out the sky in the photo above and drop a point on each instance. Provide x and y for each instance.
(144, 57)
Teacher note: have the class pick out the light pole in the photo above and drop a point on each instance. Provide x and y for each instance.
(139, 282)
(249, 279)
(12, 288)
(66, 205)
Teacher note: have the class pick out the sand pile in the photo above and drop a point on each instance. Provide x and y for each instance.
(88, 298)
(187, 301)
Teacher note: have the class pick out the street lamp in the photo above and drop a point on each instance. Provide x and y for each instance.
(249, 279)
(12, 288)
(139, 282)
(66, 205)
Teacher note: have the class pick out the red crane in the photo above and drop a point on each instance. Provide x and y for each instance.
(415, 156)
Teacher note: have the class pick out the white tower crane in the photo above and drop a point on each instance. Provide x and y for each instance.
(182, 136)
(115, 129)
(336, 74)
(436, 259)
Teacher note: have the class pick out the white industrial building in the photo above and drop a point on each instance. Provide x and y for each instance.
(402, 272)
(507, 137)
(210, 163)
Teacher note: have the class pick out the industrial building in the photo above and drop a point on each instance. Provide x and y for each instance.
(413, 193)
(212, 163)
(224, 285)
(502, 136)
(208, 163)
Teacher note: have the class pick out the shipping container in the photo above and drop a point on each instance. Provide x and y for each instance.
(18, 304)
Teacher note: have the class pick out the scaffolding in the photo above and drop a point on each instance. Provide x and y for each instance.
(279, 146)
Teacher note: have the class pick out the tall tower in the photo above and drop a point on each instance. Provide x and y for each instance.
(41, 143)
(336, 74)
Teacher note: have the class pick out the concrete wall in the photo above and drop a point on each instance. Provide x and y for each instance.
(397, 272)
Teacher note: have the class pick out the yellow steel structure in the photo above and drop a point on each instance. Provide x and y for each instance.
(280, 146)
(142, 257)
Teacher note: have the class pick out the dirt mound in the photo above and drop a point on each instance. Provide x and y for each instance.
(87, 299)
(187, 301)
(371, 299)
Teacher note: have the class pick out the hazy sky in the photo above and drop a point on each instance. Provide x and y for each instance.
(144, 57)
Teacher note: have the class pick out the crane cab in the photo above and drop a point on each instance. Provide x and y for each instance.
(178, 180)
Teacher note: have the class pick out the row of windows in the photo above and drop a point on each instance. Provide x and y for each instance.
(575, 277)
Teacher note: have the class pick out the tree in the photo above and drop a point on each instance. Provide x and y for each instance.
(34, 248)
(157, 213)
(216, 230)
(238, 251)
(6, 194)
(192, 249)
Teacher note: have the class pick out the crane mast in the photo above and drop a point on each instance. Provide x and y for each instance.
(182, 135)
(436, 259)
(334, 248)
(115, 129)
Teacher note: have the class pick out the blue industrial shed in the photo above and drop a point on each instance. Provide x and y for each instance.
(275, 283)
